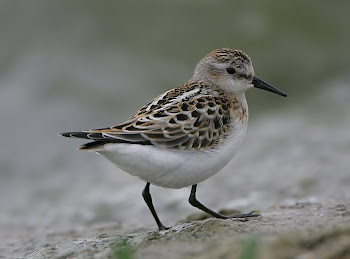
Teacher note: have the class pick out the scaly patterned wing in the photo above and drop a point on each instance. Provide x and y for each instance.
(188, 117)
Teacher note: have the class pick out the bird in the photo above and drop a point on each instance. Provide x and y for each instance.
(187, 134)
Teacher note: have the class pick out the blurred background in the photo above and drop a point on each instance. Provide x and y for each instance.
(72, 65)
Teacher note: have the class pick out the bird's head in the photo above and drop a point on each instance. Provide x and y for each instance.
(231, 70)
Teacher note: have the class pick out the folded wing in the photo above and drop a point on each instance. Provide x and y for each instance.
(189, 119)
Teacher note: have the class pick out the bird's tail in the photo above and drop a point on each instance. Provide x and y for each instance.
(94, 145)
(75, 134)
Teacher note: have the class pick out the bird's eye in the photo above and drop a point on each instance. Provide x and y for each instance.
(231, 70)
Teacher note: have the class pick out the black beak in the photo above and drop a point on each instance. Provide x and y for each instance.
(258, 83)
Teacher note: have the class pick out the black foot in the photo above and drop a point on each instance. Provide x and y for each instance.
(194, 202)
(160, 228)
(246, 215)
(148, 199)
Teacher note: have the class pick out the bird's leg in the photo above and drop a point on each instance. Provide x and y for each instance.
(194, 202)
(148, 199)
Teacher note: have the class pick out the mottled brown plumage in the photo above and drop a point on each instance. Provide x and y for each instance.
(177, 120)
(195, 116)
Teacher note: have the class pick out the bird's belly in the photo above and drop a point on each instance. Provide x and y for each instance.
(173, 168)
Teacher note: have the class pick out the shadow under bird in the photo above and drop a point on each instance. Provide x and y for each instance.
(187, 134)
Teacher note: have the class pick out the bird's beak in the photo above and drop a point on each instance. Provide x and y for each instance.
(258, 83)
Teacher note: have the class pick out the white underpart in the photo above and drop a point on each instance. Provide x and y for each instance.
(174, 168)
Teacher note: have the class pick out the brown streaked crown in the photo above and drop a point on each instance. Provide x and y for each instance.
(226, 55)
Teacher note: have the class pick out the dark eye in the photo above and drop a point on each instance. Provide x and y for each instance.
(230, 70)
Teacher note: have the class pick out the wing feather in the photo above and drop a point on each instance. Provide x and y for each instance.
(190, 117)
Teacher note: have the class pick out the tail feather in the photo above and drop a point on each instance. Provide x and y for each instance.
(76, 134)
(92, 145)
(101, 139)
(85, 135)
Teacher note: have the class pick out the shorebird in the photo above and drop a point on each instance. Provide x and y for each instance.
(187, 134)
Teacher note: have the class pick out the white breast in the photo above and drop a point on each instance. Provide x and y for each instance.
(174, 168)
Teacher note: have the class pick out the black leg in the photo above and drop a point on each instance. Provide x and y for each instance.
(148, 199)
(194, 202)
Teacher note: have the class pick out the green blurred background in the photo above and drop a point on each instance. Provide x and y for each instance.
(70, 65)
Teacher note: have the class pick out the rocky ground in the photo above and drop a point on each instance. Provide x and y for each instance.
(301, 230)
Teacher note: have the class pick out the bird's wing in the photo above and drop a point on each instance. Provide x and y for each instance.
(187, 117)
